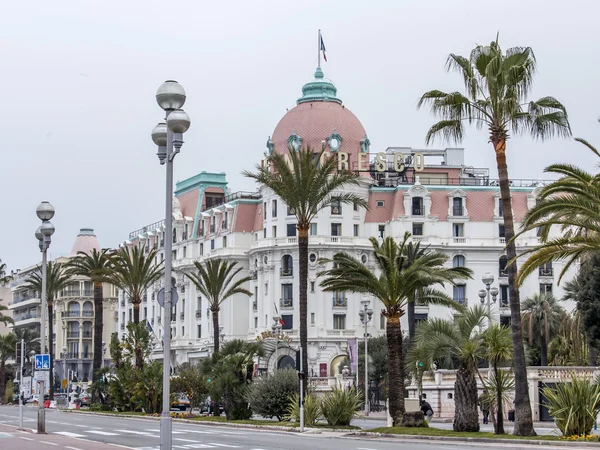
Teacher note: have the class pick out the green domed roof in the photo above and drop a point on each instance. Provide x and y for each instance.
(319, 90)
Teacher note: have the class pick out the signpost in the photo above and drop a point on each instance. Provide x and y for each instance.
(42, 362)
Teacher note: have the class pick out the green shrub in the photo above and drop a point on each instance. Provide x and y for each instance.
(9, 392)
(574, 406)
(270, 396)
(312, 409)
(339, 406)
(100, 407)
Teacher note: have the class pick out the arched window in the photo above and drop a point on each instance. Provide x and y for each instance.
(417, 206)
(458, 261)
(88, 309)
(502, 262)
(287, 266)
(74, 309)
(87, 329)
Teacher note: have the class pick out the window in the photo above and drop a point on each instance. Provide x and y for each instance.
(457, 206)
(312, 257)
(417, 206)
(380, 203)
(212, 244)
(502, 266)
(287, 266)
(182, 331)
(500, 210)
(339, 321)
(501, 232)
(417, 229)
(546, 270)
(145, 313)
(162, 257)
(288, 321)
(256, 322)
(291, 229)
(274, 208)
(174, 235)
(312, 286)
(313, 229)
(538, 232)
(265, 210)
(199, 331)
(174, 254)
(457, 229)
(312, 318)
(224, 241)
(504, 295)
(458, 294)
(274, 231)
(336, 206)
(266, 288)
(201, 249)
(458, 261)
(336, 229)
(184, 251)
(291, 211)
(381, 231)
(381, 321)
(355, 205)
(199, 307)
(264, 233)
(287, 295)
(545, 288)
(356, 229)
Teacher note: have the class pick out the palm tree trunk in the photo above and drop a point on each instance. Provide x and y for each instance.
(410, 312)
(466, 416)
(98, 318)
(2, 378)
(500, 419)
(216, 331)
(136, 312)
(395, 369)
(303, 300)
(50, 352)
(523, 416)
(543, 352)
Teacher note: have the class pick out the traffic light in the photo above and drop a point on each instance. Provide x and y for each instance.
(209, 380)
(420, 364)
(301, 376)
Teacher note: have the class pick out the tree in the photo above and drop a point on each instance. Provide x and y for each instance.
(7, 350)
(497, 86)
(455, 341)
(572, 204)
(134, 271)
(4, 277)
(191, 382)
(497, 341)
(394, 287)
(5, 319)
(94, 265)
(570, 347)
(137, 343)
(307, 183)
(542, 316)
(270, 395)
(56, 280)
(217, 282)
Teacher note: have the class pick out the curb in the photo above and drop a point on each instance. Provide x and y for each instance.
(470, 439)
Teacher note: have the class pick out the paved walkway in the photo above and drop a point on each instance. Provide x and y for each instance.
(13, 439)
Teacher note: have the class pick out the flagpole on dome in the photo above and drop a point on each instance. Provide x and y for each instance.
(319, 48)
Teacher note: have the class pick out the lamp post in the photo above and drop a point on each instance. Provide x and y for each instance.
(168, 136)
(45, 212)
(365, 315)
(488, 279)
(276, 327)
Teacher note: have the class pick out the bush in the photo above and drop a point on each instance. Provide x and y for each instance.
(9, 392)
(574, 406)
(312, 409)
(340, 405)
(270, 396)
(414, 419)
(100, 407)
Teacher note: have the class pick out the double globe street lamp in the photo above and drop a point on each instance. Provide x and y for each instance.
(365, 315)
(170, 96)
(488, 279)
(45, 212)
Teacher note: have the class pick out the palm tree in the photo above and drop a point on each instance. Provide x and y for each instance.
(95, 266)
(498, 349)
(56, 280)
(307, 185)
(217, 283)
(133, 271)
(5, 319)
(7, 350)
(497, 85)
(449, 341)
(395, 287)
(4, 277)
(137, 343)
(542, 317)
(571, 203)
(413, 252)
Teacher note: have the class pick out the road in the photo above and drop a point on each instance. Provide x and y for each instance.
(144, 434)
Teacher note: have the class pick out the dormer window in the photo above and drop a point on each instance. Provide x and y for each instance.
(336, 206)
(457, 206)
(417, 206)
(334, 141)
(294, 142)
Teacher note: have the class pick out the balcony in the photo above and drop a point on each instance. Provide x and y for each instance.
(152, 321)
(286, 302)
(224, 225)
(122, 302)
(87, 313)
(417, 211)
(255, 306)
(122, 326)
(87, 334)
(70, 355)
(21, 317)
(503, 273)
(72, 334)
(88, 292)
(182, 316)
(341, 332)
(340, 302)
(87, 356)
(71, 293)
(457, 211)
(461, 301)
(75, 313)
(546, 272)
(459, 240)
(201, 232)
(198, 314)
(502, 240)
(212, 228)
(286, 272)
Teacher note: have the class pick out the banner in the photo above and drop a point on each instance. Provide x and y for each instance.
(353, 354)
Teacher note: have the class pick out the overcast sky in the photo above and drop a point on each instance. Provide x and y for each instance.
(79, 80)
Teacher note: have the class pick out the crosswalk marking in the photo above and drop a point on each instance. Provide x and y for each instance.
(102, 433)
(186, 440)
(224, 445)
(142, 433)
(69, 434)
(200, 446)
(157, 430)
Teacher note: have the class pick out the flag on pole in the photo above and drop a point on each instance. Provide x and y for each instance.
(277, 312)
(322, 45)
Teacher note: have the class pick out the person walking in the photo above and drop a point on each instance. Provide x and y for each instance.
(484, 404)
(427, 410)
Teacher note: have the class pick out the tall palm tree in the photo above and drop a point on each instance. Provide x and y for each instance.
(413, 252)
(56, 280)
(497, 86)
(4, 277)
(394, 286)
(307, 185)
(7, 350)
(457, 340)
(133, 271)
(5, 319)
(542, 317)
(216, 280)
(572, 204)
(137, 343)
(94, 265)
(497, 342)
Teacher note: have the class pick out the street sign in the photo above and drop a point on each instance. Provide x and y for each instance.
(160, 298)
(42, 362)
(64, 383)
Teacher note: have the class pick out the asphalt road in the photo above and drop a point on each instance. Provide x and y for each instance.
(145, 434)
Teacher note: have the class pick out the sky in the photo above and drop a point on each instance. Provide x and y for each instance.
(80, 78)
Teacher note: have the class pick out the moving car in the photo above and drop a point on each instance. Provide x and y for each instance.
(180, 402)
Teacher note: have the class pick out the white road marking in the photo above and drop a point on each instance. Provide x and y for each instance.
(157, 430)
(103, 433)
(69, 434)
(365, 448)
(27, 439)
(200, 446)
(224, 445)
(72, 448)
(49, 443)
(142, 433)
(186, 440)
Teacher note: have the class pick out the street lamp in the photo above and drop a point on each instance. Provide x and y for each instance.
(488, 279)
(45, 212)
(168, 136)
(276, 327)
(365, 315)
(221, 334)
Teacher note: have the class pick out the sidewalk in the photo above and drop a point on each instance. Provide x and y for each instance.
(13, 439)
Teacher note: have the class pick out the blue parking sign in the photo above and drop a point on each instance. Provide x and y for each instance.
(42, 362)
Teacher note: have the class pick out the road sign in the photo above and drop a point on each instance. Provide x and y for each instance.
(64, 383)
(160, 298)
(42, 362)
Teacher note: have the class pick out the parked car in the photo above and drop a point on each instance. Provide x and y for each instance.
(180, 402)
(85, 400)
(33, 399)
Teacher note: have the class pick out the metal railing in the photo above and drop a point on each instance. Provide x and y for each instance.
(152, 227)
(198, 314)
(546, 272)
(286, 272)
(71, 293)
(254, 305)
(122, 326)
(212, 228)
(340, 302)
(88, 313)
(76, 313)
(457, 210)
(182, 316)
(460, 300)
(87, 356)
(72, 334)
(417, 211)
(88, 292)
(503, 273)
(286, 302)
(26, 316)
(224, 225)
(87, 334)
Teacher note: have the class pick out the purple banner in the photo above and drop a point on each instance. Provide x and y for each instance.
(353, 354)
